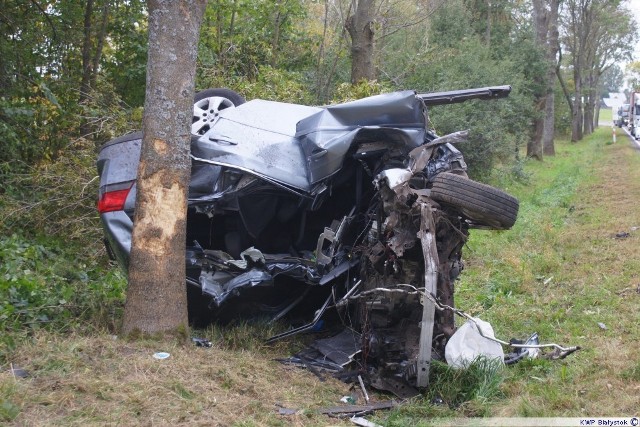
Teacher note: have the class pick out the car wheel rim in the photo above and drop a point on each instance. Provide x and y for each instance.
(206, 113)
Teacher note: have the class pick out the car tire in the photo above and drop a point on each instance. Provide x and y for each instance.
(208, 104)
(484, 206)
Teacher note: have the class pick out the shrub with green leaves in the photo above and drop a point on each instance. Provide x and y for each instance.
(43, 283)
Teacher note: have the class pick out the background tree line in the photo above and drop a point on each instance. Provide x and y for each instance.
(71, 69)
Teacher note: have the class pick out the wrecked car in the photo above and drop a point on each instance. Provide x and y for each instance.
(355, 208)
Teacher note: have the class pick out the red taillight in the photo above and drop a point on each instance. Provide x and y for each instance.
(113, 200)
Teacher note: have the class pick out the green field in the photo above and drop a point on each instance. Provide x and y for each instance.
(605, 115)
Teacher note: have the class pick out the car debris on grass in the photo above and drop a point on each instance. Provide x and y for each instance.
(354, 213)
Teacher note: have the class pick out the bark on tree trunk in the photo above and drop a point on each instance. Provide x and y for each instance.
(156, 297)
(86, 51)
(589, 108)
(577, 112)
(545, 14)
(86, 64)
(100, 43)
(360, 28)
(548, 132)
(91, 61)
(534, 146)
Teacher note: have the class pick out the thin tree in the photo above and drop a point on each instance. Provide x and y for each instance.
(91, 55)
(545, 13)
(156, 297)
(360, 28)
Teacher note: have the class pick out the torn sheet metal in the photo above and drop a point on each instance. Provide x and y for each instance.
(222, 276)
(351, 410)
(341, 348)
(219, 285)
(248, 256)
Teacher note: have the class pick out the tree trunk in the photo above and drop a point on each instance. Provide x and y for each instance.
(91, 57)
(563, 84)
(589, 107)
(577, 112)
(86, 52)
(99, 44)
(540, 18)
(360, 28)
(278, 20)
(548, 132)
(86, 64)
(156, 297)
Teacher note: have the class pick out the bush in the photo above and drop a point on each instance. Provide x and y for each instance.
(53, 270)
(45, 284)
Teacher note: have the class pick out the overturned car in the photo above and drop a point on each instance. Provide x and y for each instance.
(357, 208)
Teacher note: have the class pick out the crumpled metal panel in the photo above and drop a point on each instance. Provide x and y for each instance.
(250, 270)
(397, 118)
(396, 109)
(299, 146)
(258, 137)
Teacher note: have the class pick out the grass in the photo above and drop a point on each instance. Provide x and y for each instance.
(560, 271)
(605, 115)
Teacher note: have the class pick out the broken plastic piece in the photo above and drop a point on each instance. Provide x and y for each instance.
(161, 355)
(304, 328)
(348, 399)
(340, 348)
(364, 390)
(252, 255)
(468, 343)
(363, 422)
(18, 372)
(523, 352)
(201, 342)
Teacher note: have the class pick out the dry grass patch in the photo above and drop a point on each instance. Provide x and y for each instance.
(100, 380)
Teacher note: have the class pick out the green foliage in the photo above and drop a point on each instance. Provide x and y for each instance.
(50, 244)
(480, 381)
(612, 80)
(125, 57)
(44, 284)
(460, 57)
(57, 199)
(633, 72)
(256, 48)
(109, 115)
(8, 410)
(32, 126)
(351, 92)
(269, 83)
